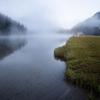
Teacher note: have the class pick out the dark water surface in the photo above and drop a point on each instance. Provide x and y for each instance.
(30, 72)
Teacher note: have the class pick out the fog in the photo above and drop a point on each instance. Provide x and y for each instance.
(94, 21)
(49, 14)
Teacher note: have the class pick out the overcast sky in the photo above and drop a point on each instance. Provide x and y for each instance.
(49, 13)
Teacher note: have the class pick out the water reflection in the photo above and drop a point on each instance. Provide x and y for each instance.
(9, 45)
(33, 73)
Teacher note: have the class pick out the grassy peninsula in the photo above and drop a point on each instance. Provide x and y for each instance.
(82, 57)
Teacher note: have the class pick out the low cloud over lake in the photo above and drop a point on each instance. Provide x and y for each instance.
(49, 14)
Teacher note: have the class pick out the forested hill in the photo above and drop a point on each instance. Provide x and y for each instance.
(9, 26)
(90, 26)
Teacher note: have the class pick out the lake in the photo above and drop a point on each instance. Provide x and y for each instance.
(29, 71)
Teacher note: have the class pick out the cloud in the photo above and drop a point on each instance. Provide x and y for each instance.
(48, 13)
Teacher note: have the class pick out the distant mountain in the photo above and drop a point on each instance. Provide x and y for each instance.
(9, 26)
(90, 26)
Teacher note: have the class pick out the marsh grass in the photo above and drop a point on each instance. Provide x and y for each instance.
(82, 58)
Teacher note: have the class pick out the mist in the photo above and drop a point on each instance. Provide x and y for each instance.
(45, 15)
(30, 33)
(93, 21)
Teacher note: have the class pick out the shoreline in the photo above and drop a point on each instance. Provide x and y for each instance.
(78, 52)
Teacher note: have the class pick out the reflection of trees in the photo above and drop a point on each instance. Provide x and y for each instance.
(8, 46)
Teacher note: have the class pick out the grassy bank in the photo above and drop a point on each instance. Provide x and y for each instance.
(82, 57)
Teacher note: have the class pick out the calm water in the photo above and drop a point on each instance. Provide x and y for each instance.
(28, 70)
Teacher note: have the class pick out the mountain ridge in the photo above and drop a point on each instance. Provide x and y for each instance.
(90, 26)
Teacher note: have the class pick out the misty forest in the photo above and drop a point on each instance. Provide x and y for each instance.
(49, 50)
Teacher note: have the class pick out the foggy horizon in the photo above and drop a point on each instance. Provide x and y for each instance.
(49, 14)
(49, 50)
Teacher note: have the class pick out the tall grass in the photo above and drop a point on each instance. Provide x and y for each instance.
(82, 58)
